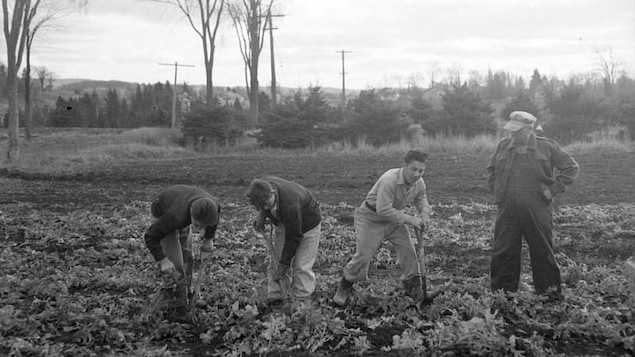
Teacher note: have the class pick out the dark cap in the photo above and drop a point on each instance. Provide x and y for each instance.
(204, 211)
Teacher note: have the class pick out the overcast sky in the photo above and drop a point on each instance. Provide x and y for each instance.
(390, 42)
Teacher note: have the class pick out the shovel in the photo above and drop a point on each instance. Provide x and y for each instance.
(204, 258)
(274, 261)
(427, 298)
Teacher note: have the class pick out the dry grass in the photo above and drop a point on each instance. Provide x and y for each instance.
(62, 150)
(454, 145)
(606, 146)
(74, 149)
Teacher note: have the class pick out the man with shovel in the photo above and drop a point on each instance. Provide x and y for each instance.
(181, 214)
(295, 213)
(380, 218)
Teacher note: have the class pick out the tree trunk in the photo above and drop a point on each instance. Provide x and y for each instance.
(12, 93)
(209, 67)
(253, 70)
(27, 94)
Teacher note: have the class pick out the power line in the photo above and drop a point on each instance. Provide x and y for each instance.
(274, 96)
(176, 66)
(343, 52)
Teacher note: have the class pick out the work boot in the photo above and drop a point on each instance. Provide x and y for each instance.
(344, 292)
(553, 294)
(207, 246)
(428, 297)
(413, 288)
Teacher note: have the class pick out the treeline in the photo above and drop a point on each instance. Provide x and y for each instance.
(150, 105)
(568, 111)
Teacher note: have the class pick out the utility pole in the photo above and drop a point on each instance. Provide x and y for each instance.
(274, 95)
(343, 52)
(176, 66)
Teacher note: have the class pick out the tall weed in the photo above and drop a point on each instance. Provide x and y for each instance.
(438, 144)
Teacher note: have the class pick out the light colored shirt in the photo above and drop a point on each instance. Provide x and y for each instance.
(391, 194)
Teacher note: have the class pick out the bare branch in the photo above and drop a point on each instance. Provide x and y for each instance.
(200, 15)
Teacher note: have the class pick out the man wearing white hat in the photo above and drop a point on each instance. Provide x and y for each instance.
(525, 173)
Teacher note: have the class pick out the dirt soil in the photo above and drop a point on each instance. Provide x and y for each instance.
(604, 179)
(456, 184)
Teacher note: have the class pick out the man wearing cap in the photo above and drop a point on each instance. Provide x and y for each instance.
(524, 182)
(180, 214)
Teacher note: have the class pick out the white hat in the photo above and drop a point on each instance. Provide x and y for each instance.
(519, 120)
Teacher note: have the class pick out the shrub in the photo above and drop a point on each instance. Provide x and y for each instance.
(217, 124)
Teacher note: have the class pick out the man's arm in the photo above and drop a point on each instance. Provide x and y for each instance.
(165, 225)
(421, 201)
(568, 169)
(292, 221)
(384, 204)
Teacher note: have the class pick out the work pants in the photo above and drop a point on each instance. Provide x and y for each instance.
(524, 214)
(300, 278)
(177, 246)
(370, 234)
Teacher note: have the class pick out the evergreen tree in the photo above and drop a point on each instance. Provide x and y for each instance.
(521, 102)
(65, 113)
(112, 111)
(536, 82)
(376, 119)
(464, 113)
(215, 124)
(574, 114)
(300, 121)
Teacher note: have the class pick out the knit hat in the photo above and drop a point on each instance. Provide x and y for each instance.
(204, 211)
(519, 120)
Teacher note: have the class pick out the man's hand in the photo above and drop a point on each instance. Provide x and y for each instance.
(259, 222)
(546, 191)
(166, 266)
(281, 273)
(417, 222)
(425, 221)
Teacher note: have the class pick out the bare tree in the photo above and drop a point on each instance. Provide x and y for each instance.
(52, 76)
(42, 74)
(17, 22)
(15, 29)
(609, 67)
(204, 18)
(40, 18)
(250, 19)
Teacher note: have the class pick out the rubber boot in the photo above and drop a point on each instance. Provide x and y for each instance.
(344, 292)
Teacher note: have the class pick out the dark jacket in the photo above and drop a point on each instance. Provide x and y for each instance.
(172, 210)
(543, 154)
(297, 210)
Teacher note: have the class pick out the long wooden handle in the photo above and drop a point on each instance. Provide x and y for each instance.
(419, 234)
(421, 252)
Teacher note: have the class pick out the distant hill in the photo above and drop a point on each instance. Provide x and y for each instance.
(76, 87)
(86, 85)
(72, 87)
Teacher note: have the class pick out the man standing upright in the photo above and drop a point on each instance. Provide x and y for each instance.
(523, 180)
(380, 218)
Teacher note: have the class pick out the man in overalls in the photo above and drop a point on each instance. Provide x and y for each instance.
(522, 178)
